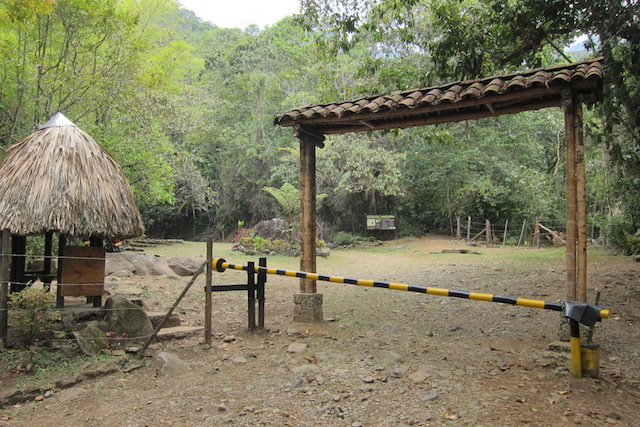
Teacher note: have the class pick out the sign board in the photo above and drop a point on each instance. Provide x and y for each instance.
(381, 222)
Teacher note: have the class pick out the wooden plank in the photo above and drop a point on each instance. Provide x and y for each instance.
(83, 271)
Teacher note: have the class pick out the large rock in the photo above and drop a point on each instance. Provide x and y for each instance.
(91, 340)
(272, 229)
(165, 363)
(138, 264)
(125, 317)
(184, 266)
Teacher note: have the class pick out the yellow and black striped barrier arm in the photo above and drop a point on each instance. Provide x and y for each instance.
(220, 265)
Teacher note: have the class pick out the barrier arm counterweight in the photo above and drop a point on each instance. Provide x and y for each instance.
(583, 313)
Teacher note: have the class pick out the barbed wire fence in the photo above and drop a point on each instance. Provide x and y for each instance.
(69, 313)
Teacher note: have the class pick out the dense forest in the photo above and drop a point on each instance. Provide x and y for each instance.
(187, 108)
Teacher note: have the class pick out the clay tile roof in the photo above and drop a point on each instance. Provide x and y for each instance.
(465, 100)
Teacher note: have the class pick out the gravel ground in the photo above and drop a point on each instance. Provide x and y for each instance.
(381, 357)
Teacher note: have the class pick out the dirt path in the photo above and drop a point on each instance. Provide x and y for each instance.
(385, 358)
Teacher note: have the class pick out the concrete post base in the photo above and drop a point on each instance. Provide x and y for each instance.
(308, 308)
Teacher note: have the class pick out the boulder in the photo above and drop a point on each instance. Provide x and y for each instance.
(138, 264)
(91, 340)
(272, 229)
(126, 318)
(184, 266)
(166, 363)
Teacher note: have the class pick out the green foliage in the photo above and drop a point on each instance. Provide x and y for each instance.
(187, 108)
(634, 243)
(344, 239)
(31, 311)
(288, 198)
(618, 232)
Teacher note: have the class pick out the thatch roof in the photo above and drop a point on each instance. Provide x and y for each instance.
(59, 179)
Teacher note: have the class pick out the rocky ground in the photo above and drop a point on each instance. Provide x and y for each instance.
(381, 357)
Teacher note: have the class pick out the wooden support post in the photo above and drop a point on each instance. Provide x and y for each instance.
(251, 294)
(18, 263)
(48, 252)
(568, 107)
(308, 211)
(581, 205)
(62, 241)
(504, 235)
(262, 280)
(487, 228)
(458, 227)
(207, 293)
(4, 287)
(468, 229)
(524, 222)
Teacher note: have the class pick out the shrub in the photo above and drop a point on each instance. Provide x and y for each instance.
(634, 243)
(343, 238)
(617, 232)
(31, 310)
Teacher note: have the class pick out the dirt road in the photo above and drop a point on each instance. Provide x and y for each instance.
(381, 358)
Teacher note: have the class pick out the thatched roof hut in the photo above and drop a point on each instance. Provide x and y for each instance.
(59, 179)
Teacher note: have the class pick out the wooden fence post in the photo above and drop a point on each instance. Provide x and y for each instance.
(504, 235)
(524, 221)
(468, 229)
(488, 230)
(458, 227)
(4, 287)
(207, 294)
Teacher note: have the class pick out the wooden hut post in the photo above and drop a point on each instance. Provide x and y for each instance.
(18, 262)
(581, 204)
(308, 303)
(568, 107)
(4, 287)
(62, 241)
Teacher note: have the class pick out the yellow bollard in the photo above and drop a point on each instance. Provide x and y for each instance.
(590, 356)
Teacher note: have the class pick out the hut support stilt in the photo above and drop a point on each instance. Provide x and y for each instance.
(4, 287)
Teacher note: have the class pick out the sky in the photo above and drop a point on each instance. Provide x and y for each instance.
(242, 13)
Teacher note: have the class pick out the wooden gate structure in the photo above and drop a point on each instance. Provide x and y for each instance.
(566, 86)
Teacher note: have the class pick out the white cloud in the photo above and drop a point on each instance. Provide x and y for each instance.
(242, 13)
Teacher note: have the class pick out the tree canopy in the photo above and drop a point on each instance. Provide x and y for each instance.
(186, 107)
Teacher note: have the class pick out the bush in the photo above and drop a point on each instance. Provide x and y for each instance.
(634, 243)
(617, 231)
(344, 239)
(31, 310)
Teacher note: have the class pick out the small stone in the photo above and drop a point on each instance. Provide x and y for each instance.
(229, 338)
(368, 380)
(418, 376)
(48, 394)
(240, 360)
(433, 395)
(222, 408)
(198, 409)
(39, 398)
(296, 347)
(366, 388)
